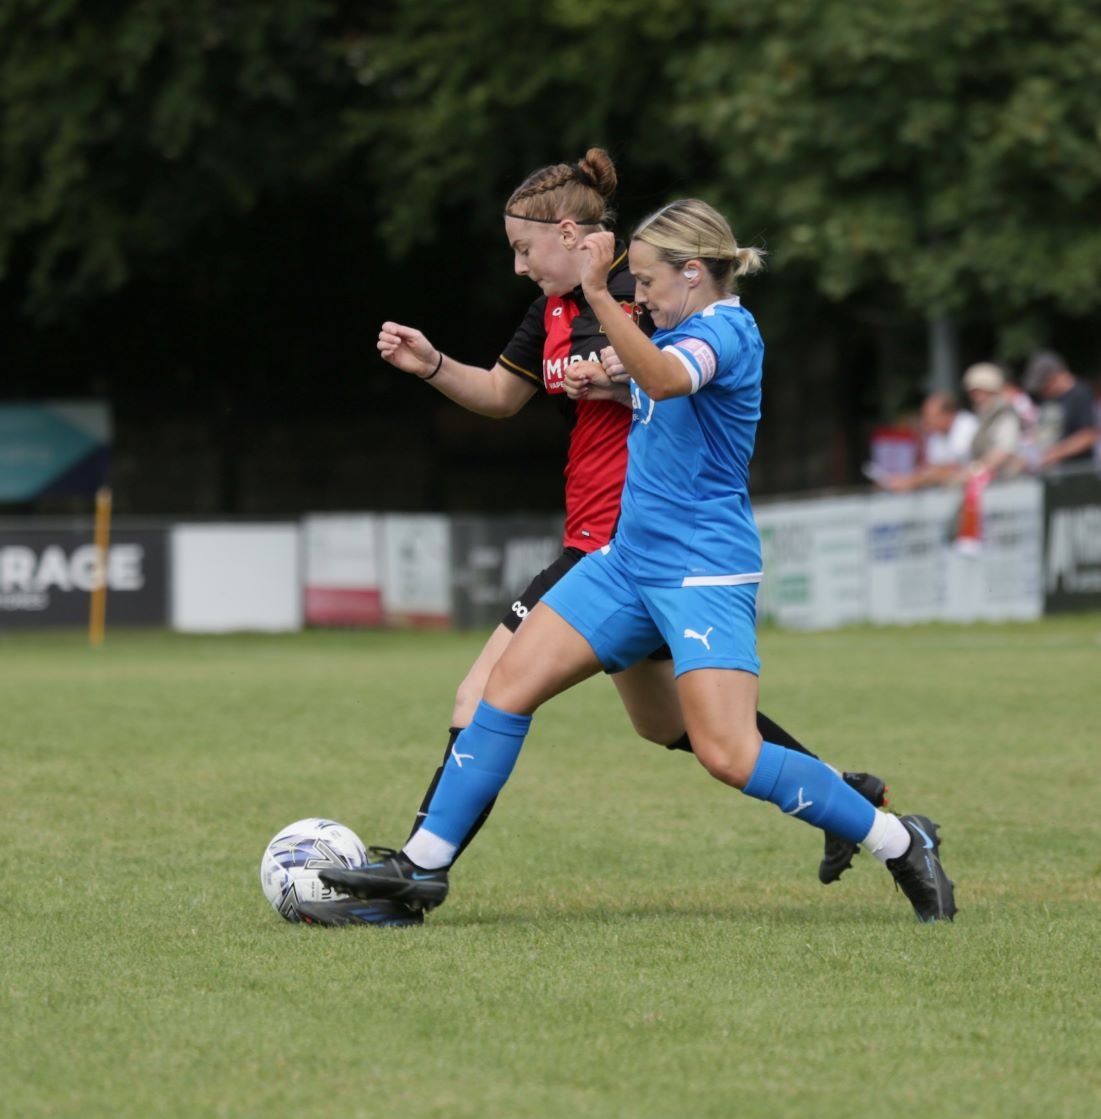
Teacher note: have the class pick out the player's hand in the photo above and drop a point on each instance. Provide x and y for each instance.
(407, 349)
(613, 367)
(580, 379)
(600, 252)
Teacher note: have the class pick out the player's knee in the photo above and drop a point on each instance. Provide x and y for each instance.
(730, 760)
(509, 689)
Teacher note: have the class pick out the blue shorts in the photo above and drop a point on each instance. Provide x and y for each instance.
(623, 621)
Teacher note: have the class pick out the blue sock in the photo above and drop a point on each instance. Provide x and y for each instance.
(805, 787)
(477, 768)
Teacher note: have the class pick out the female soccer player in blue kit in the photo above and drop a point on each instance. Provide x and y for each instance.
(682, 569)
(546, 218)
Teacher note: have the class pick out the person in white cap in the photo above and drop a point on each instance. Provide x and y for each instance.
(997, 440)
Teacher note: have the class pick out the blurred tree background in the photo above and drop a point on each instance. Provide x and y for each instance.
(207, 208)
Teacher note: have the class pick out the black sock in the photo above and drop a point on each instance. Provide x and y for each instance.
(452, 734)
(773, 732)
(770, 732)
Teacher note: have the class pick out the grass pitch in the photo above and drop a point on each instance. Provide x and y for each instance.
(625, 939)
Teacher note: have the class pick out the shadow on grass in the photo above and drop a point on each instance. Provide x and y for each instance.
(779, 915)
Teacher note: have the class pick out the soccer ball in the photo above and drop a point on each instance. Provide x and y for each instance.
(288, 870)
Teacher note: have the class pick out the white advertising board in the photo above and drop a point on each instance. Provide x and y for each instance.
(909, 539)
(815, 563)
(884, 558)
(227, 578)
(916, 572)
(343, 580)
(416, 569)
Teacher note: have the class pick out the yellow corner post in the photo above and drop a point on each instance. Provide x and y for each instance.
(97, 612)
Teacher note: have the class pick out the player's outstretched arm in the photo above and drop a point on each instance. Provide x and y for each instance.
(490, 392)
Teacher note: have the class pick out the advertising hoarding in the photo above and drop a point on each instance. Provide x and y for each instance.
(228, 578)
(53, 447)
(342, 569)
(494, 559)
(1072, 543)
(815, 563)
(47, 575)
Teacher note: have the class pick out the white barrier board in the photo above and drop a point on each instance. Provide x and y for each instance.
(343, 580)
(916, 572)
(815, 563)
(235, 577)
(416, 569)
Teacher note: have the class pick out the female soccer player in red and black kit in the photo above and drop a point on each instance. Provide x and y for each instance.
(546, 219)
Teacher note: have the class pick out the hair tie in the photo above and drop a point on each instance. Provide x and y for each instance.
(582, 176)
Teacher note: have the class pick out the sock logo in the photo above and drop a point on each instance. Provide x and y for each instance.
(799, 805)
(693, 635)
(459, 757)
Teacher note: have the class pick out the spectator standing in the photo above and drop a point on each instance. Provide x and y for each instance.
(997, 441)
(948, 432)
(1066, 428)
(995, 448)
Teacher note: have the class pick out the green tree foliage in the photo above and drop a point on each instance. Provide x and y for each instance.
(468, 96)
(946, 153)
(951, 151)
(124, 128)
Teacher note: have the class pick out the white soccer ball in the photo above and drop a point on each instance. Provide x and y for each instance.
(288, 870)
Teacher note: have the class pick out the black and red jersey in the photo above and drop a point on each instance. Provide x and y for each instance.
(561, 330)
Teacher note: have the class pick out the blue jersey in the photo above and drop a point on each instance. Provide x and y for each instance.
(685, 518)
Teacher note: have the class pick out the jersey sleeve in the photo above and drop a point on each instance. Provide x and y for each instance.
(523, 355)
(724, 350)
(698, 357)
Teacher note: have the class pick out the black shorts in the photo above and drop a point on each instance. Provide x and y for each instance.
(542, 583)
(539, 586)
